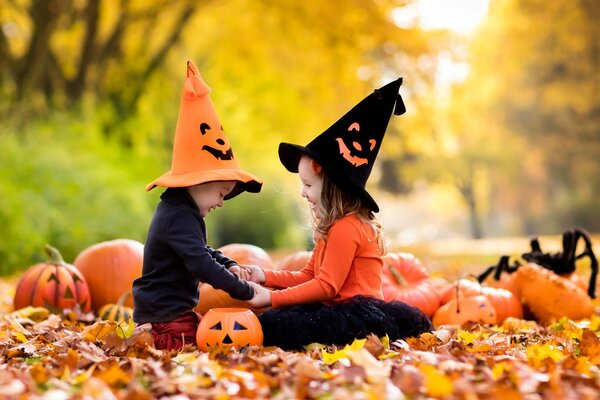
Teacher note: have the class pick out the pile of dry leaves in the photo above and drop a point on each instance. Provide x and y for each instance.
(43, 355)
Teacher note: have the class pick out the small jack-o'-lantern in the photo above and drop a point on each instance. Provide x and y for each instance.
(220, 147)
(232, 326)
(352, 149)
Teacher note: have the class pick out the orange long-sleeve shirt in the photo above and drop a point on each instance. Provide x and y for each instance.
(347, 264)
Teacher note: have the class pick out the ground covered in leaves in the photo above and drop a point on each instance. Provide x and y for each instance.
(46, 356)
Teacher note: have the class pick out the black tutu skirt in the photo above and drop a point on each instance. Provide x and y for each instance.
(293, 327)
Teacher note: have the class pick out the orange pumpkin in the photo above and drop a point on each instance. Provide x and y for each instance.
(550, 296)
(295, 261)
(215, 298)
(233, 326)
(406, 279)
(54, 284)
(242, 253)
(501, 275)
(110, 268)
(464, 287)
(464, 309)
(504, 301)
(247, 254)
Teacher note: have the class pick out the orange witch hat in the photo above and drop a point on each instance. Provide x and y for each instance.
(201, 151)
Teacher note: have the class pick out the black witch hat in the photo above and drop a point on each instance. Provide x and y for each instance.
(348, 149)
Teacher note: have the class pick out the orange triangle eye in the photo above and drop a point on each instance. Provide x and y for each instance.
(373, 143)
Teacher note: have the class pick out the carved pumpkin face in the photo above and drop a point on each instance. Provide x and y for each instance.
(217, 143)
(355, 149)
(231, 326)
(54, 284)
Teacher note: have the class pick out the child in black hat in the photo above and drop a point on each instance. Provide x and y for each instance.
(337, 297)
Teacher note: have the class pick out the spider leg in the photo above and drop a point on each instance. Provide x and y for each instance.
(566, 260)
(589, 251)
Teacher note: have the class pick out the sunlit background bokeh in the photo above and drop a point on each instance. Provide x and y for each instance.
(501, 137)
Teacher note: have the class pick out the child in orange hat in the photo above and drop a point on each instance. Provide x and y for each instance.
(204, 173)
(337, 296)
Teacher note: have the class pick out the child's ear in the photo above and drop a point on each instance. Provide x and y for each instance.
(316, 167)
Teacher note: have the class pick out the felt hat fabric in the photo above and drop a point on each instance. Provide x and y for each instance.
(201, 151)
(347, 150)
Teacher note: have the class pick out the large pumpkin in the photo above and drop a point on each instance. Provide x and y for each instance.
(550, 296)
(54, 284)
(247, 254)
(295, 261)
(233, 326)
(243, 254)
(406, 279)
(110, 268)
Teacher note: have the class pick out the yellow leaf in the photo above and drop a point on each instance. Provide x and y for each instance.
(539, 352)
(36, 314)
(98, 331)
(436, 383)
(595, 323)
(330, 358)
(125, 329)
(20, 337)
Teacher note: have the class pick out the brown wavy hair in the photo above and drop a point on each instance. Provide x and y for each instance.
(336, 204)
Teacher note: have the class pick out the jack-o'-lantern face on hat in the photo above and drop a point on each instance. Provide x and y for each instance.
(217, 143)
(355, 148)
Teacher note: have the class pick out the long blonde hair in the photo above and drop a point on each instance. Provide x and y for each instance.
(336, 204)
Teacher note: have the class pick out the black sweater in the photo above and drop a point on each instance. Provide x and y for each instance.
(177, 259)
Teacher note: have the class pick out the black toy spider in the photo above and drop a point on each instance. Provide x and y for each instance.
(559, 263)
(564, 263)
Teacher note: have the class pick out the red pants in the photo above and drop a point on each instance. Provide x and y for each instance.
(173, 335)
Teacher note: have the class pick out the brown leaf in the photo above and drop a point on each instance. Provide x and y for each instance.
(374, 345)
(589, 344)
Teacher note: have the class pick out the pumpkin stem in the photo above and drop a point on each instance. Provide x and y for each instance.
(55, 256)
(123, 298)
(398, 278)
(457, 300)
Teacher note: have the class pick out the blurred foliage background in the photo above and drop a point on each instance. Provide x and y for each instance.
(501, 137)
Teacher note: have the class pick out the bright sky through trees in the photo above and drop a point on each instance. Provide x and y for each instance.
(461, 16)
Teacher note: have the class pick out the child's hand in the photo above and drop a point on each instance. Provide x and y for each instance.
(255, 274)
(262, 296)
(240, 272)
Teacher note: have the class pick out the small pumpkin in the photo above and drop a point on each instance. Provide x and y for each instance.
(243, 254)
(110, 268)
(550, 296)
(405, 279)
(505, 303)
(464, 309)
(295, 261)
(117, 312)
(53, 284)
(464, 287)
(238, 327)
